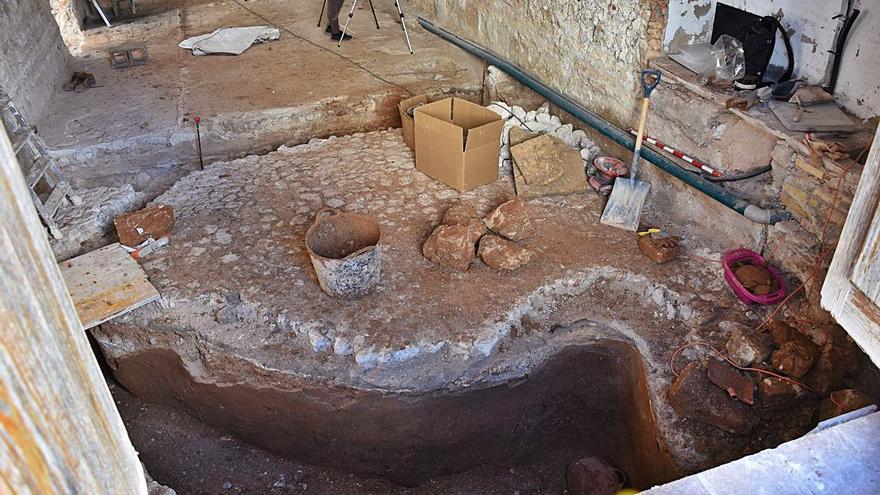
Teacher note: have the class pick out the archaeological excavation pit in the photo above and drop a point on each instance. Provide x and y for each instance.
(306, 266)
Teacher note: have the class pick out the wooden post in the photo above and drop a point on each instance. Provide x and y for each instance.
(60, 432)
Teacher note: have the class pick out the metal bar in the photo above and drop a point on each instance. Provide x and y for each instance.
(609, 130)
(101, 12)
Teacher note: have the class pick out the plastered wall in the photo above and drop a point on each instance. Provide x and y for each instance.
(591, 50)
(33, 58)
(812, 29)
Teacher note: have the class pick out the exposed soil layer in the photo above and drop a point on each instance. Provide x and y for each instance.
(197, 459)
(590, 399)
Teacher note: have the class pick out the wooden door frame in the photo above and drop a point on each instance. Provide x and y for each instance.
(848, 305)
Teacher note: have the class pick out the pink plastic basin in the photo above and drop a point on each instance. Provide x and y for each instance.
(740, 255)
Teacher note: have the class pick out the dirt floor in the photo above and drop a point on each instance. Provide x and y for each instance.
(194, 458)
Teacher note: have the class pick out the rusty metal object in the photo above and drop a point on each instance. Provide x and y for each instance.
(346, 252)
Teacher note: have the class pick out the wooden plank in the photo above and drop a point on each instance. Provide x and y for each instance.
(60, 432)
(866, 272)
(106, 283)
(849, 306)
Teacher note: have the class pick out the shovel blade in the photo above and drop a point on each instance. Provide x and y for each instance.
(624, 207)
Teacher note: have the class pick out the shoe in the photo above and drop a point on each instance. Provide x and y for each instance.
(338, 36)
(329, 29)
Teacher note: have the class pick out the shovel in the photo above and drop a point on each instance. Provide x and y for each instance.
(625, 204)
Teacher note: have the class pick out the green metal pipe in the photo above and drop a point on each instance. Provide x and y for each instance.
(609, 130)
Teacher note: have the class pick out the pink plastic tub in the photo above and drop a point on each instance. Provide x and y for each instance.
(739, 255)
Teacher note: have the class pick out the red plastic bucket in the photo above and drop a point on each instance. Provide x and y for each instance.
(747, 255)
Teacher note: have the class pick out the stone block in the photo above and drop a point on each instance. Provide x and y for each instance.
(500, 254)
(693, 396)
(746, 347)
(453, 246)
(776, 394)
(842, 402)
(793, 358)
(511, 220)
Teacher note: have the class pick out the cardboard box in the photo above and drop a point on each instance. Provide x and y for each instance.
(457, 143)
(409, 131)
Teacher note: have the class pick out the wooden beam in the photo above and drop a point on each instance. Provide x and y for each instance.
(60, 432)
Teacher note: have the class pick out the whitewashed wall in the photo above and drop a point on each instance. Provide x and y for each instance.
(812, 30)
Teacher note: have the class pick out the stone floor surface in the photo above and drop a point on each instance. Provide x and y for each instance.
(140, 119)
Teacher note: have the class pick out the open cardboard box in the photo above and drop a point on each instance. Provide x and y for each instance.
(409, 130)
(458, 142)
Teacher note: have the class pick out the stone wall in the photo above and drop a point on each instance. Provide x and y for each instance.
(33, 58)
(590, 50)
(69, 14)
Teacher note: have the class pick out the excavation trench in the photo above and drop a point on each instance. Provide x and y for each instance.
(590, 398)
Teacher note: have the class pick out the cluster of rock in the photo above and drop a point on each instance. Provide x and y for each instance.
(463, 235)
(540, 122)
(818, 361)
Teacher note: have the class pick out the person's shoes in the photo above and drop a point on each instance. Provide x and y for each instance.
(339, 36)
(329, 29)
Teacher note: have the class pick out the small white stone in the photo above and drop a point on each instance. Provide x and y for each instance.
(519, 113)
(587, 155)
(543, 118)
(545, 108)
(555, 120)
(531, 116)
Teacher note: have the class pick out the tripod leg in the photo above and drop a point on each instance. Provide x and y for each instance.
(347, 22)
(376, 19)
(403, 25)
(321, 15)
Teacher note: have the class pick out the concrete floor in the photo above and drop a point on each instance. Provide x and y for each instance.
(138, 126)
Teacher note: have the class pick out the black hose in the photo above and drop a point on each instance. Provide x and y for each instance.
(742, 176)
(838, 49)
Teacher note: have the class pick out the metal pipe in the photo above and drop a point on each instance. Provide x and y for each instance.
(619, 136)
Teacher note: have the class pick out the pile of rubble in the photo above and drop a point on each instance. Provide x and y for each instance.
(454, 242)
(766, 372)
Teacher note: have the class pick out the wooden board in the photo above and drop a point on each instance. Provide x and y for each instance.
(60, 432)
(850, 288)
(106, 283)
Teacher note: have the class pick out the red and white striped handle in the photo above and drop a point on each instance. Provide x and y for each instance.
(674, 152)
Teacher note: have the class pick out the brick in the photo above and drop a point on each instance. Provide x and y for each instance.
(136, 227)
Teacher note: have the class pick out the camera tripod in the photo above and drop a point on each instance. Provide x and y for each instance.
(351, 15)
(324, 7)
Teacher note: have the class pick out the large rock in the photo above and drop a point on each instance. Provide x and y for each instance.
(693, 396)
(729, 379)
(501, 254)
(453, 246)
(777, 394)
(465, 214)
(793, 359)
(783, 333)
(834, 364)
(842, 402)
(511, 220)
(592, 476)
(745, 347)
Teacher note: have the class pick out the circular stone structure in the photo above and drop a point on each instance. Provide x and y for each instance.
(436, 370)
